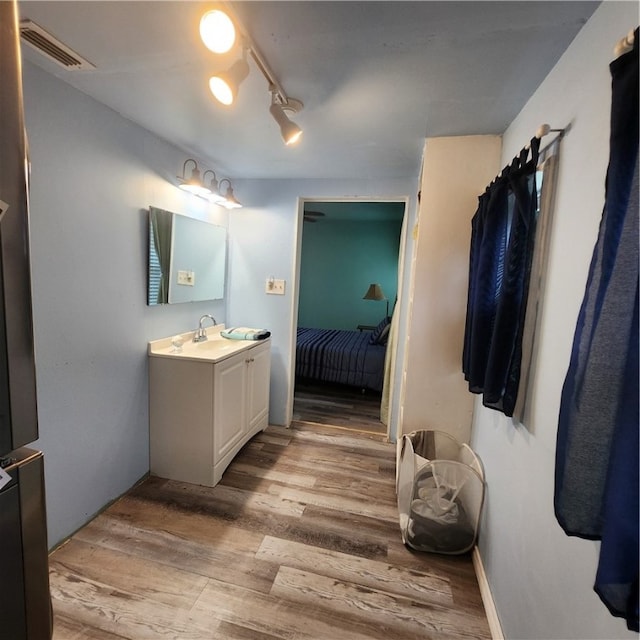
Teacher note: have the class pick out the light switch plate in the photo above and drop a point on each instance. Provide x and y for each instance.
(274, 287)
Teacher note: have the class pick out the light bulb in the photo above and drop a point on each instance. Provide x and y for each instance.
(217, 31)
(221, 90)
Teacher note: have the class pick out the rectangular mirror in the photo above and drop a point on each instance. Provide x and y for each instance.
(187, 259)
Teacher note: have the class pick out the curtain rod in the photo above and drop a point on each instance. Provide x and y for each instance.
(541, 132)
(544, 130)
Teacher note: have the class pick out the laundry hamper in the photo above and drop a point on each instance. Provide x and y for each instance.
(440, 488)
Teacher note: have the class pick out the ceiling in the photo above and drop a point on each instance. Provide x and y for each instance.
(376, 78)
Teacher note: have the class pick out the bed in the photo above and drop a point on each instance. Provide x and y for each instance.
(354, 358)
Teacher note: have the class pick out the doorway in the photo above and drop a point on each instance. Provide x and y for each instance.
(348, 263)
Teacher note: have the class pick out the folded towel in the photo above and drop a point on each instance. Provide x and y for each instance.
(245, 333)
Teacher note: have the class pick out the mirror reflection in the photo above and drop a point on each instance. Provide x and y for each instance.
(187, 259)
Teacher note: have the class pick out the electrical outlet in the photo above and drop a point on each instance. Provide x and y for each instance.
(274, 287)
(187, 278)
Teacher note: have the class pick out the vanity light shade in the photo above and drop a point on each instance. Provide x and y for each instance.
(230, 201)
(289, 130)
(217, 31)
(225, 86)
(194, 183)
(213, 194)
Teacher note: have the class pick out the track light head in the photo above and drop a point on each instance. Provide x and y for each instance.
(225, 85)
(217, 31)
(289, 130)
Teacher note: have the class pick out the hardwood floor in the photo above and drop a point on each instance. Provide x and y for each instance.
(300, 540)
(337, 406)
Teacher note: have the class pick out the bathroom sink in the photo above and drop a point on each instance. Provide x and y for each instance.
(212, 344)
(214, 349)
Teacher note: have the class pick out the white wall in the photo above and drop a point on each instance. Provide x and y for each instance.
(265, 241)
(455, 171)
(541, 579)
(93, 175)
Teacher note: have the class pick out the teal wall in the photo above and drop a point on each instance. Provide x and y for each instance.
(340, 259)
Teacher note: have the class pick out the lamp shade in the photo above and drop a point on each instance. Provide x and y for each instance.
(374, 292)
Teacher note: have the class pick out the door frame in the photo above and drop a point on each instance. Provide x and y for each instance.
(396, 390)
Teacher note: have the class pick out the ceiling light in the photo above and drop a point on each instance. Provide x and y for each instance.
(225, 85)
(217, 31)
(193, 184)
(289, 130)
(230, 201)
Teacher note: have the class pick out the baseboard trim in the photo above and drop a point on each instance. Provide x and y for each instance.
(487, 598)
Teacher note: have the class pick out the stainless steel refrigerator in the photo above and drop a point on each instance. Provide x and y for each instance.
(25, 604)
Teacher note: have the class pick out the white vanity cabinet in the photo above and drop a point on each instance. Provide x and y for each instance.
(202, 411)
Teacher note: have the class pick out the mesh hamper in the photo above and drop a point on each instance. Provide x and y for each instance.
(440, 488)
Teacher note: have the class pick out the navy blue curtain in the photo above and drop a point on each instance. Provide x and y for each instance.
(596, 479)
(502, 242)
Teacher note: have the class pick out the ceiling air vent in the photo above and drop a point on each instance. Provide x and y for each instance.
(50, 47)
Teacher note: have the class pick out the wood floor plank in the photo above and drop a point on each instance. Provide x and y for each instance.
(253, 471)
(157, 582)
(122, 613)
(269, 614)
(171, 514)
(341, 503)
(221, 559)
(68, 628)
(402, 617)
(370, 573)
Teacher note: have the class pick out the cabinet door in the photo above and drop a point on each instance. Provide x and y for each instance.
(230, 417)
(258, 386)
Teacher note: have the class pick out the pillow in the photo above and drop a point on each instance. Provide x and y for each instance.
(377, 334)
(384, 336)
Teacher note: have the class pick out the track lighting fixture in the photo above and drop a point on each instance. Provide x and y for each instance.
(217, 31)
(225, 85)
(193, 184)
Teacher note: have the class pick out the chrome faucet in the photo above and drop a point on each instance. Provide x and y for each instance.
(200, 335)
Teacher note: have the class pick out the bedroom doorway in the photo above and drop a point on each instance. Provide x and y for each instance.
(347, 268)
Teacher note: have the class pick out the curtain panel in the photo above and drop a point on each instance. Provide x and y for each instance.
(502, 242)
(597, 479)
(161, 228)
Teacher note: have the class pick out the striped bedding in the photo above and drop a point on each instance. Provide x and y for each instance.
(344, 357)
